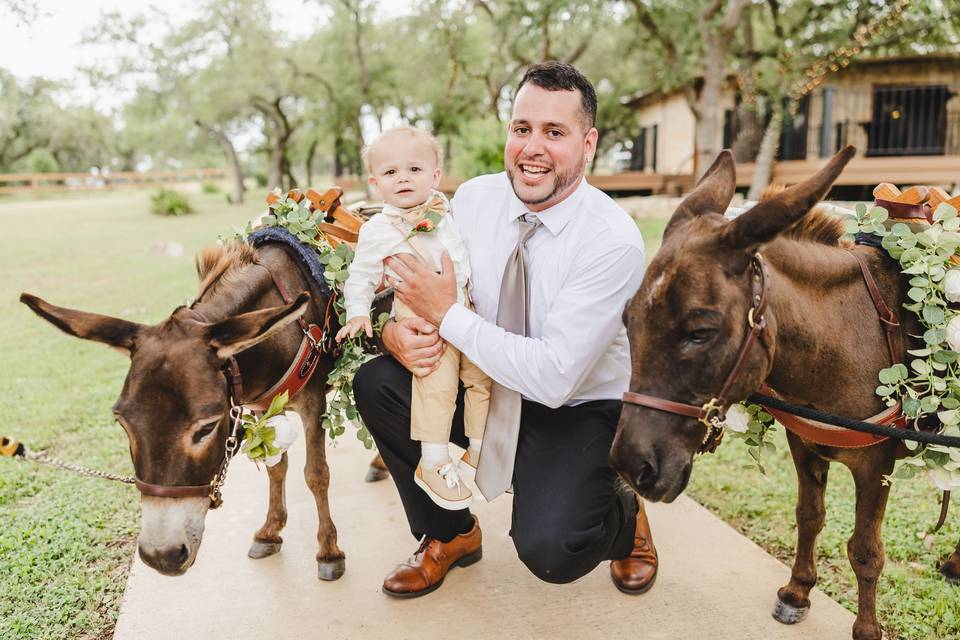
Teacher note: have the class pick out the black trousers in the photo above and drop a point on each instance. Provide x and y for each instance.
(568, 514)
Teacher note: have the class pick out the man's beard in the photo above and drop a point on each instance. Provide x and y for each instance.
(561, 182)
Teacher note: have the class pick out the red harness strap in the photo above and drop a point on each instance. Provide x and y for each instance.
(300, 371)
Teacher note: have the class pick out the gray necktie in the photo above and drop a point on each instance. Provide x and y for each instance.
(495, 469)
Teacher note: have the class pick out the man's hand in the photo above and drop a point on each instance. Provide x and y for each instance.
(414, 343)
(429, 295)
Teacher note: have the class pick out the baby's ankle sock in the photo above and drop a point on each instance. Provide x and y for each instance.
(475, 444)
(432, 454)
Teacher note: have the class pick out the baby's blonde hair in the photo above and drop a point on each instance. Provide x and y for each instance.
(418, 133)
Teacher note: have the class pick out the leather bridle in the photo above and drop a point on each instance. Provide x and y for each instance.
(713, 412)
(316, 340)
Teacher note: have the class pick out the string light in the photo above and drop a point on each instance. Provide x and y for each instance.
(840, 58)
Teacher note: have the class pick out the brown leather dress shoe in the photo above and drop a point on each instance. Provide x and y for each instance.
(637, 572)
(427, 567)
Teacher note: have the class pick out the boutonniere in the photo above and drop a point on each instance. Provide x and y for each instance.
(427, 224)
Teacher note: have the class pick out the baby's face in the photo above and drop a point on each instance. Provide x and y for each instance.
(404, 169)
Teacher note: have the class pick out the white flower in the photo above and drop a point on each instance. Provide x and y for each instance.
(953, 333)
(287, 426)
(951, 285)
(945, 480)
(738, 419)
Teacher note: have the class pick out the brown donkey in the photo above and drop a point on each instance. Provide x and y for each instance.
(822, 347)
(175, 407)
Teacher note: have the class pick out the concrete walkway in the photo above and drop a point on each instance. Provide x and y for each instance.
(713, 582)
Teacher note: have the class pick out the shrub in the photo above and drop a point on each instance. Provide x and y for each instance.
(480, 148)
(210, 187)
(167, 202)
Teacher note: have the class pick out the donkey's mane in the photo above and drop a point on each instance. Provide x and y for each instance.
(818, 226)
(217, 265)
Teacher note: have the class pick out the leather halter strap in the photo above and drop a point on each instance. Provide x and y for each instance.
(712, 413)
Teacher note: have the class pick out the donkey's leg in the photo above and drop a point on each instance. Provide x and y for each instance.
(330, 559)
(865, 547)
(793, 600)
(377, 470)
(950, 569)
(267, 540)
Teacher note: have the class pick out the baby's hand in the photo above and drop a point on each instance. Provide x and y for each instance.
(353, 326)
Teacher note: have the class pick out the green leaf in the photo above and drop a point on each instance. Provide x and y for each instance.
(911, 406)
(934, 337)
(890, 375)
(916, 294)
(933, 314)
(929, 404)
(946, 356)
(276, 405)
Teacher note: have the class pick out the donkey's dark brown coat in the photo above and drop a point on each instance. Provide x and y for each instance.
(823, 348)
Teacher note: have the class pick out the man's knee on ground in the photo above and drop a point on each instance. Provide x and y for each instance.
(547, 557)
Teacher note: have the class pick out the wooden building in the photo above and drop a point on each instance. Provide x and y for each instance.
(902, 114)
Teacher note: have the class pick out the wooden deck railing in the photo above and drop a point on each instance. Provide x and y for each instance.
(45, 182)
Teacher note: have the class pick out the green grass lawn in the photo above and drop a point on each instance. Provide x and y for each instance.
(66, 542)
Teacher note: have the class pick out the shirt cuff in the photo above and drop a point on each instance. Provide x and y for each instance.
(456, 324)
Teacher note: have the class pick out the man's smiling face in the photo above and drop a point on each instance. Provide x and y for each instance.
(548, 145)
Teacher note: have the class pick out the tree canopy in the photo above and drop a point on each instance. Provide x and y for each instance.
(237, 85)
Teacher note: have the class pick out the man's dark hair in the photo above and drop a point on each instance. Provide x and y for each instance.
(560, 76)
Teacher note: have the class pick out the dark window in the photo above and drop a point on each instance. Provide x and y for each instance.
(653, 147)
(908, 120)
(793, 135)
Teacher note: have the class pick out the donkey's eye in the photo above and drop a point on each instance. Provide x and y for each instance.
(700, 336)
(205, 430)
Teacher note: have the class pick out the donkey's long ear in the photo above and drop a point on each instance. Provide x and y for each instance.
(231, 336)
(713, 192)
(763, 222)
(119, 334)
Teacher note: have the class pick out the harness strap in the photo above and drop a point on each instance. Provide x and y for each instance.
(832, 436)
(179, 491)
(888, 319)
(760, 286)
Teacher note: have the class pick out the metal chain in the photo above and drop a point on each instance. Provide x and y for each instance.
(43, 458)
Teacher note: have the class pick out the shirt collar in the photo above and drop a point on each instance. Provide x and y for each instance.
(556, 217)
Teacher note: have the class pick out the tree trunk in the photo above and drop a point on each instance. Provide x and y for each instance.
(707, 111)
(233, 161)
(768, 152)
(275, 180)
(311, 154)
(338, 156)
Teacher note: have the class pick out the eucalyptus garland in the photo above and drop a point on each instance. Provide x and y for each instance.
(297, 218)
(929, 384)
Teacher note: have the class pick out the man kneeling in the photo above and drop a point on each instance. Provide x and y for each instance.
(554, 262)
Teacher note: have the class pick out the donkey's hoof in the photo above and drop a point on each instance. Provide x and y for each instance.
(376, 474)
(789, 614)
(260, 550)
(329, 570)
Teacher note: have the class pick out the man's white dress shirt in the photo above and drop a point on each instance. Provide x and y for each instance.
(585, 262)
